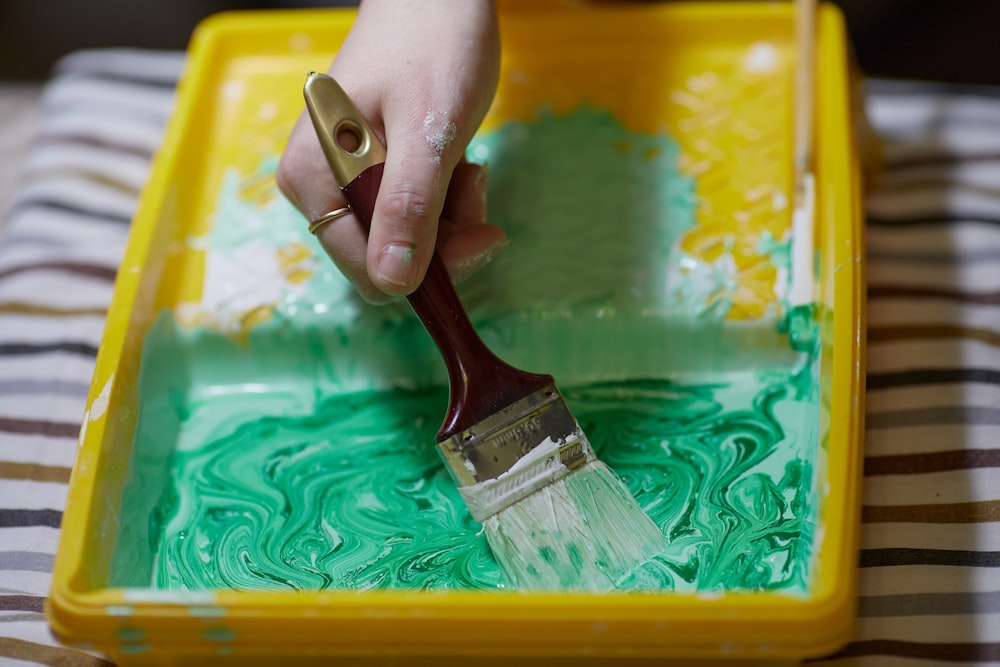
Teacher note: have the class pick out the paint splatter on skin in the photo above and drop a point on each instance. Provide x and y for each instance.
(439, 139)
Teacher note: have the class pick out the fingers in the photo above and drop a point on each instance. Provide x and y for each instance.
(465, 241)
(426, 101)
(304, 177)
(465, 203)
(405, 220)
(469, 248)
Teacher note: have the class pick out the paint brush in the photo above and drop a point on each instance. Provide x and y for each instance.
(554, 515)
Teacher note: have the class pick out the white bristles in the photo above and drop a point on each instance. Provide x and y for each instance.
(583, 532)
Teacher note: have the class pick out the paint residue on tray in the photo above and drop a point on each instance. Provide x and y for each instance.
(352, 494)
(299, 454)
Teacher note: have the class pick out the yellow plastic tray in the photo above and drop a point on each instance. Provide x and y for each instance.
(265, 55)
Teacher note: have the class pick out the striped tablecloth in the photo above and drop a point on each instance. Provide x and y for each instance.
(930, 559)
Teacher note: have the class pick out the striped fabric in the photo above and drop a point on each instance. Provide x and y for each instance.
(102, 117)
(930, 559)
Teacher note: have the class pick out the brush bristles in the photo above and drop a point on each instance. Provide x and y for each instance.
(583, 532)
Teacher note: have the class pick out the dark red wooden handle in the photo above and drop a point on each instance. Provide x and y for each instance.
(481, 383)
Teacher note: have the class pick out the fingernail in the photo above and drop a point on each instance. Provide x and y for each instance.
(396, 266)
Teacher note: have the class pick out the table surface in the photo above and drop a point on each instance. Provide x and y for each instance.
(930, 558)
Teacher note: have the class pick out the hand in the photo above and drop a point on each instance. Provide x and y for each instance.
(423, 73)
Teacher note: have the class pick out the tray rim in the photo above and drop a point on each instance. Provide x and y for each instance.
(809, 626)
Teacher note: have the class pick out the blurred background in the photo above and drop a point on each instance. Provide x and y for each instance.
(953, 41)
(941, 40)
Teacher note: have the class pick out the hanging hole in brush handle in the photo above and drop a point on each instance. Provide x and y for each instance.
(351, 137)
(480, 382)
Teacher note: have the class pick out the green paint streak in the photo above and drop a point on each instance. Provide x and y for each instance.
(134, 649)
(303, 458)
(803, 333)
(264, 492)
(130, 634)
(207, 612)
(219, 635)
(561, 187)
(593, 211)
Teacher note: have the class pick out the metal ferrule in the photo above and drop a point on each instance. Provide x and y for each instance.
(493, 446)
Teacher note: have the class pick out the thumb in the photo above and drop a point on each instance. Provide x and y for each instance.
(407, 210)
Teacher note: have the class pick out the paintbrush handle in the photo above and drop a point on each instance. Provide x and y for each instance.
(481, 383)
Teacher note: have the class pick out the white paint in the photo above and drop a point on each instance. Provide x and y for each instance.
(442, 137)
(299, 42)
(481, 152)
(687, 100)
(702, 82)
(119, 610)
(268, 111)
(135, 595)
(241, 281)
(762, 57)
(470, 466)
(698, 288)
(779, 201)
(83, 429)
(535, 470)
(709, 595)
(233, 90)
(100, 404)
(197, 242)
(802, 246)
(780, 282)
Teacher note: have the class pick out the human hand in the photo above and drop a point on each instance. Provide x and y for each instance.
(423, 73)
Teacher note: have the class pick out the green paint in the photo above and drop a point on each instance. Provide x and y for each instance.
(127, 633)
(133, 649)
(796, 320)
(303, 456)
(207, 612)
(219, 635)
(270, 490)
(593, 211)
(803, 334)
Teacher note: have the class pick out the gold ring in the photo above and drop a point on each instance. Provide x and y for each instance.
(316, 224)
